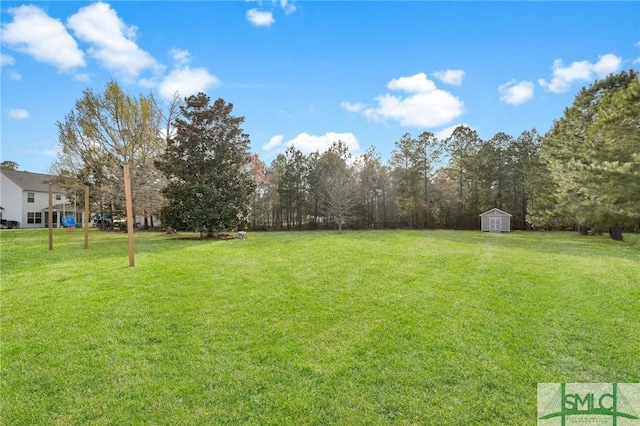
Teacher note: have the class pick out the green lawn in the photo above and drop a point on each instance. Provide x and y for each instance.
(322, 328)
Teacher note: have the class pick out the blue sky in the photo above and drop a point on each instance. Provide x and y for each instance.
(309, 73)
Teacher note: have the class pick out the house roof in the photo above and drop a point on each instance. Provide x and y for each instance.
(65, 206)
(495, 210)
(30, 181)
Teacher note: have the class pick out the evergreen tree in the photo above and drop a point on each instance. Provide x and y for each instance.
(208, 167)
(591, 154)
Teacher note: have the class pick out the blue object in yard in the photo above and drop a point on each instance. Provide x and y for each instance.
(68, 221)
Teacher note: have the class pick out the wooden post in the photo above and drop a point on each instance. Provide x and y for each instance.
(50, 218)
(87, 219)
(130, 218)
(86, 211)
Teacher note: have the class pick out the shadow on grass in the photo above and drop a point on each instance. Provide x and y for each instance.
(554, 242)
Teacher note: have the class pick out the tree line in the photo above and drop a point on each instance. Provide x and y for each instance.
(427, 183)
(192, 167)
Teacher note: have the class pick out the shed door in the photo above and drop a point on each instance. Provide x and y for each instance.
(495, 224)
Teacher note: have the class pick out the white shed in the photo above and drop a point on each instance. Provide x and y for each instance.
(495, 220)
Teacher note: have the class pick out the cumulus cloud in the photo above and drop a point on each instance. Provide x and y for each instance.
(311, 143)
(6, 60)
(453, 77)
(183, 79)
(82, 77)
(563, 76)
(515, 93)
(44, 148)
(287, 6)
(19, 114)
(274, 142)
(352, 107)
(15, 76)
(148, 83)
(113, 42)
(424, 106)
(51, 152)
(418, 83)
(260, 18)
(187, 81)
(42, 37)
(180, 56)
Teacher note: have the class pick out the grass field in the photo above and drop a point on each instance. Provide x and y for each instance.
(310, 328)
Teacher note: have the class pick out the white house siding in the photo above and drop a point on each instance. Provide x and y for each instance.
(35, 209)
(10, 200)
(15, 187)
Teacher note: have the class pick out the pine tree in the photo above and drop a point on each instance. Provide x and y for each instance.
(591, 154)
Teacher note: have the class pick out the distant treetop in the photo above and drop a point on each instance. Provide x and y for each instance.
(9, 165)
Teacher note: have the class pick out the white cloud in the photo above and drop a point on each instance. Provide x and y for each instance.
(606, 65)
(585, 71)
(187, 81)
(51, 152)
(148, 83)
(352, 107)
(453, 77)
(19, 114)
(418, 83)
(6, 60)
(274, 142)
(260, 19)
(170, 131)
(38, 150)
(180, 56)
(515, 93)
(287, 7)
(311, 143)
(82, 77)
(44, 38)
(112, 40)
(15, 76)
(426, 105)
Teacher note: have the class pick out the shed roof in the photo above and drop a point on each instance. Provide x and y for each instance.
(495, 210)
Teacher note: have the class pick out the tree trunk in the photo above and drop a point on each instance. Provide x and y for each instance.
(616, 232)
(210, 231)
(583, 230)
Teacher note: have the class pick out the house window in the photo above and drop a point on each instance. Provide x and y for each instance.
(58, 197)
(31, 197)
(34, 217)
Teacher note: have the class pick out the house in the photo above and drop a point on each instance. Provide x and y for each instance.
(495, 220)
(24, 197)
